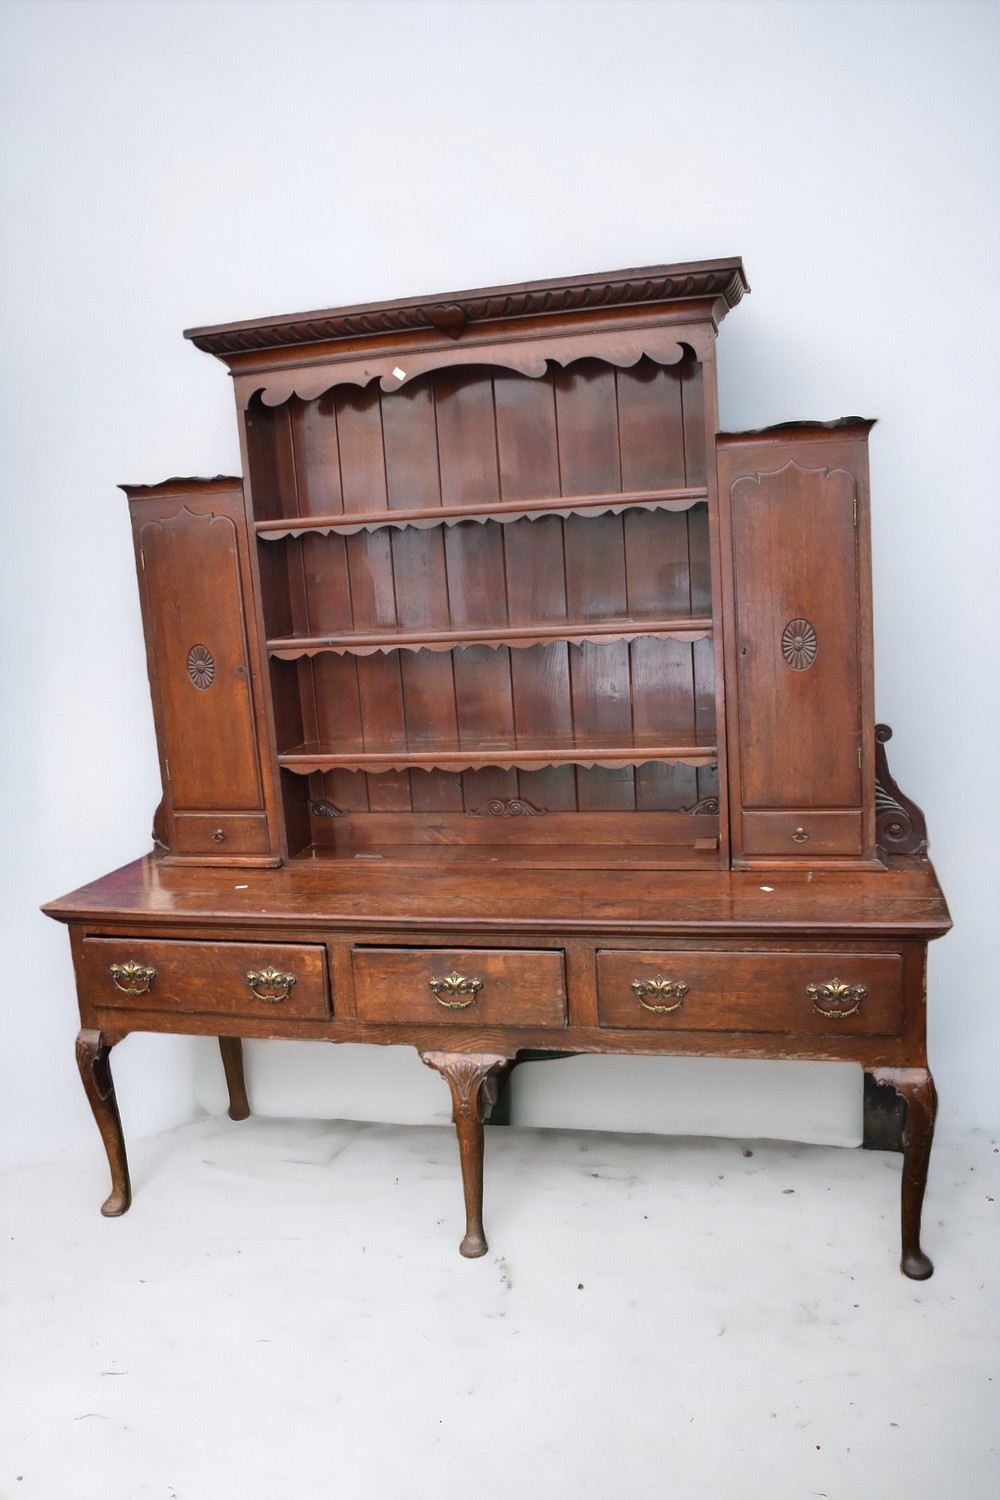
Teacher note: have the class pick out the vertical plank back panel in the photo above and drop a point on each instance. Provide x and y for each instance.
(477, 584)
(380, 693)
(695, 437)
(362, 457)
(409, 437)
(466, 436)
(317, 455)
(338, 706)
(527, 444)
(373, 593)
(587, 414)
(656, 560)
(326, 581)
(651, 426)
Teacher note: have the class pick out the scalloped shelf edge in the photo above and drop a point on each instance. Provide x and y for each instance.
(320, 764)
(566, 637)
(269, 531)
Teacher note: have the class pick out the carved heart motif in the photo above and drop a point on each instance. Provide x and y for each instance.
(448, 319)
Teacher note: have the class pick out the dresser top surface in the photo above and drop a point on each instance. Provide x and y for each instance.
(904, 899)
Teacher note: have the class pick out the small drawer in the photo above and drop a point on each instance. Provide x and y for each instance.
(802, 833)
(460, 986)
(683, 990)
(220, 834)
(273, 981)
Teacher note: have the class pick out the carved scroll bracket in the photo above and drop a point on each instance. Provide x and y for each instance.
(900, 826)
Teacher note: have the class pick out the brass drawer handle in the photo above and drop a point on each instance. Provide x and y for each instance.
(270, 979)
(132, 978)
(662, 989)
(456, 984)
(839, 994)
(800, 836)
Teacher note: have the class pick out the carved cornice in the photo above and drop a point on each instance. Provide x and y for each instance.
(454, 313)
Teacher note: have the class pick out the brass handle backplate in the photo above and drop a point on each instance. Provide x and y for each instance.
(840, 994)
(455, 984)
(132, 978)
(661, 989)
(270, 979)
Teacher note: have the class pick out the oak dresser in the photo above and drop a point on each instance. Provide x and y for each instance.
(506, 708)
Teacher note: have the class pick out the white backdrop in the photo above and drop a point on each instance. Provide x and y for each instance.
(172, 164)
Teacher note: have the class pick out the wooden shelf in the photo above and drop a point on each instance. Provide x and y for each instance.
(612, 751)
(615, 501)
(596, 632)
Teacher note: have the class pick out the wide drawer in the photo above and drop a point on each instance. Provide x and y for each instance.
(682, 990)
(449, 986)
(232, 979)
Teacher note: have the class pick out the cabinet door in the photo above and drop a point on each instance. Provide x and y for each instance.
(188, 547)
(799, 644)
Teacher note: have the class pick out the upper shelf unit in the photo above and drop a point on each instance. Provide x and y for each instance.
(484, 532)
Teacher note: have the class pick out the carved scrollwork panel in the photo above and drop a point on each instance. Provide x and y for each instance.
(507, 807)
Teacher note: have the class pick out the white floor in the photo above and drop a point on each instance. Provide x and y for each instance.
(283, 1315)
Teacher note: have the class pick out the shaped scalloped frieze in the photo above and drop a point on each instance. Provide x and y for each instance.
(622, 348)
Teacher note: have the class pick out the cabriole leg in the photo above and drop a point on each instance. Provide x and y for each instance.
(473, 1078)
(93, 1052)
(232, 1061)
(915, 1087)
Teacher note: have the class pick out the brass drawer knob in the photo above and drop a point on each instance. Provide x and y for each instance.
(447, 990)
(269, 979)
(659, 989)
(132, 978)
(218, 836)
(800, 836)
(844, 999)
